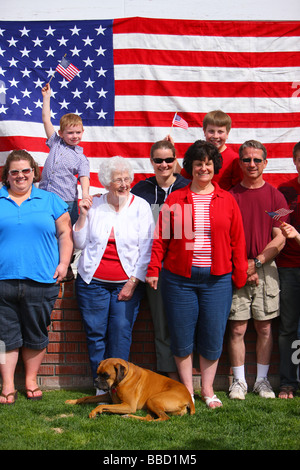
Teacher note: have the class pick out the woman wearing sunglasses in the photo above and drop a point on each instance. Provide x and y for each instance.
(36, 247)
(199, 239)
(155, 190)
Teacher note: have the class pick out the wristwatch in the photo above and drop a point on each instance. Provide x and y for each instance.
(258, 263)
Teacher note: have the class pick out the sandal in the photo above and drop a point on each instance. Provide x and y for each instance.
(33, 398)
(14, 394)
(288, 391)
(210, 400)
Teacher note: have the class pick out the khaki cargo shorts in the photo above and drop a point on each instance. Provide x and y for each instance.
(259, 302)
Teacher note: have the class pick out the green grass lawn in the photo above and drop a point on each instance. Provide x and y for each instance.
(50, 424)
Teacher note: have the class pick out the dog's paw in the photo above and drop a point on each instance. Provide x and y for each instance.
(93, 414)
(71, 402)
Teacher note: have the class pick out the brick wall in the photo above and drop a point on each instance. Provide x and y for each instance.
(66, 363)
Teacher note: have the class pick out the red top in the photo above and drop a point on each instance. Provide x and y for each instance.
(173, 242)
(110, 267)
(229, 175)
(258, 225)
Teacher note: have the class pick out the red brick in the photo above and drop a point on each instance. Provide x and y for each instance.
(62, 347)
(78, 336)
(56, 336)
(53, 358)
(46, 370)
(77, 358)
(69, 303)
(70, 370)
(72, 315)
(66, 325)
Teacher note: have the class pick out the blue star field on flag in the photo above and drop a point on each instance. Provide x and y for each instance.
(29, 55)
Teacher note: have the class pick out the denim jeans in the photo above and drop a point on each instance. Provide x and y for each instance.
(108, 322)
(25, 311)
(197, 309)
(289, 322)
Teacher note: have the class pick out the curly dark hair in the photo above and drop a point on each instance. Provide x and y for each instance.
(199, 150)
(17, 155)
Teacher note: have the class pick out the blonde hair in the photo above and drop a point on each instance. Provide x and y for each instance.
(217, 118)
(70, 119)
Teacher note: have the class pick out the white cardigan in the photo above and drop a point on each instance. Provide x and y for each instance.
(133, 229)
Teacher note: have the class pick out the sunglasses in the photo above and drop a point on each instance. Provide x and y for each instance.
(161, 160)
(248, 160)
(25, 171)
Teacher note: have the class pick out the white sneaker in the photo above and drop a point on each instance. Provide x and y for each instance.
(99, 393)
(263, 388)
(238, 390)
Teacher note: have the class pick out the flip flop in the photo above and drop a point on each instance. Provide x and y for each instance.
(288, 391)
(14, 394)
(33, 398)
(213, 399)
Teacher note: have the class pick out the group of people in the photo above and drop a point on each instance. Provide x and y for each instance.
(196, 240)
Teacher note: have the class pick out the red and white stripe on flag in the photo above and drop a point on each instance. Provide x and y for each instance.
(179, 122)
(67, 70)
(248, 69)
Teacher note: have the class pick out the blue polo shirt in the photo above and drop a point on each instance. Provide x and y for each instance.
(28, 243)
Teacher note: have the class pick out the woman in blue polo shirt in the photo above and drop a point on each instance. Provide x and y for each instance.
(36, 247)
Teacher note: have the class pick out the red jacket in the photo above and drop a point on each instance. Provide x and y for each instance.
(174, 234)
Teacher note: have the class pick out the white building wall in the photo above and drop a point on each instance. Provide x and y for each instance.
(277, 10)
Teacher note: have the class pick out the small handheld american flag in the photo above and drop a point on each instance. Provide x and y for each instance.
(179, 122)
(66, 69)
(276, 215)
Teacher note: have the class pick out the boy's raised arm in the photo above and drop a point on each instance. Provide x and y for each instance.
(46, 113)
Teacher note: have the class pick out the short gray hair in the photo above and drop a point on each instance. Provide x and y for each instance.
(110, 165)
(253, 144)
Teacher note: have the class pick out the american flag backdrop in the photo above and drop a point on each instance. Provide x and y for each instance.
(135, 73)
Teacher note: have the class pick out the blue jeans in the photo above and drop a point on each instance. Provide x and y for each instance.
(108, 322)
(289, 322)
(197, 309)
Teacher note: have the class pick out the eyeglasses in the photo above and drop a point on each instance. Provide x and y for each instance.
(119, 181)
(161, 160)
(248, 160)
(25, 171)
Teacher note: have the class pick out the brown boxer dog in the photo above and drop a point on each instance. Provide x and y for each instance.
(130, 388)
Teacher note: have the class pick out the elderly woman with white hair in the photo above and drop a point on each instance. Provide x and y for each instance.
(114, 232)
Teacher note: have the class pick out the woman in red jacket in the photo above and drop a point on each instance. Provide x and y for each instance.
(199, 240)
